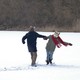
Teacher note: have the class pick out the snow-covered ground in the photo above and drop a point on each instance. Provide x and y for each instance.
(15, 59)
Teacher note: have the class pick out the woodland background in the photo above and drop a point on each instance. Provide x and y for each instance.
(45, 15)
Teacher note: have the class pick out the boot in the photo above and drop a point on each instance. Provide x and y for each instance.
(50, 61)
(47, 62)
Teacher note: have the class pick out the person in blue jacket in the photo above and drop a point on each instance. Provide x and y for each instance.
(31, 38)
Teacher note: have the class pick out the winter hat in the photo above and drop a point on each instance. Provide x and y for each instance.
(32, 28)
(56, 34)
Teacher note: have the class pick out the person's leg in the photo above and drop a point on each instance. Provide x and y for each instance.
(33, 58)
(51, 57)
(47, 58)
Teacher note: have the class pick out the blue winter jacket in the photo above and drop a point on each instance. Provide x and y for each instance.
(31, 38)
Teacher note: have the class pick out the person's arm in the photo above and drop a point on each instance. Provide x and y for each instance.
(42, 36)
(70, 44)
(23, 39)
(64, 43)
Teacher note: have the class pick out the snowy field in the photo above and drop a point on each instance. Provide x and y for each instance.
(15, 59)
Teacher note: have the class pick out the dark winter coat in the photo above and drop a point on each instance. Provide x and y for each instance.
(31, 37)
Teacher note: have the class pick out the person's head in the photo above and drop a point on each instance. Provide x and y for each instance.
(56, 34)
(32, 28)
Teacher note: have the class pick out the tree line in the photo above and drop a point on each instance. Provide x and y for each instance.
(61, 13)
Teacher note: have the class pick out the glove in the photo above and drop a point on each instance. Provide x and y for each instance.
(45, 38)
(70, 44)
(23, 42)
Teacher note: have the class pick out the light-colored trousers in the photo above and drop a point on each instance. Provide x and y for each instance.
(49, 55)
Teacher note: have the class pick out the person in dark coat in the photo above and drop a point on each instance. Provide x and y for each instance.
(31, 38)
